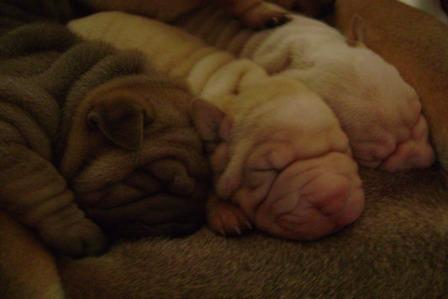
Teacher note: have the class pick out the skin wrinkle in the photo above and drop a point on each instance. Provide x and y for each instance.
(56, 88)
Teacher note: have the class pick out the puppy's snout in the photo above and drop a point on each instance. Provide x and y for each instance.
(174, 175)
(163, 216)
(172, 222)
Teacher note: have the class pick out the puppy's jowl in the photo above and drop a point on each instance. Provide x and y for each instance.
(279, 156)
(378, 110)
(83, 123)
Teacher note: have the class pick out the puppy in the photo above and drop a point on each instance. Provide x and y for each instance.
(378, 110)
(84, 124)
(280, 158)
(424, 66)
(255, 14)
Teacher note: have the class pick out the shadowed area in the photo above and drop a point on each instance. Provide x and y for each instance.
(396, 249)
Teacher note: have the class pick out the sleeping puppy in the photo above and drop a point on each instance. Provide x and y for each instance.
(83, 123)
(255, 14)
(280, 158)
(378, 110)
(424, 66)
(149, 172)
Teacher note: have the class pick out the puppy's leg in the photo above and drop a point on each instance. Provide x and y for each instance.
(19, 249)
(226, 218)
(256, 14)
(34, 192)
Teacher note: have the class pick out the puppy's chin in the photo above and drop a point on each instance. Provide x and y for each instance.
(137, 230)
(159, 215)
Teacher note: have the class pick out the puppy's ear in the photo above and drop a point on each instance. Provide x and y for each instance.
(356, 31)
(121, 121)
(211, 123)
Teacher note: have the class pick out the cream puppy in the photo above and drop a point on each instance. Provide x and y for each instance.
(280, 156)
(378, 110)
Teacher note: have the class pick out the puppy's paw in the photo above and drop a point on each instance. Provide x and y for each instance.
(226, 219)
(264, 15)
(79, 238)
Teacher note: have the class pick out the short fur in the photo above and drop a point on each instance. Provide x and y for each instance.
(81, 123)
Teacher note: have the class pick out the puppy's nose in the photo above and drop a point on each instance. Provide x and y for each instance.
(174, 175)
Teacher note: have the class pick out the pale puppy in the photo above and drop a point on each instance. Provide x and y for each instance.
(378, 110)
(280, 155)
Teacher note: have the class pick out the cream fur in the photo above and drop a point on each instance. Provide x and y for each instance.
(368, 95)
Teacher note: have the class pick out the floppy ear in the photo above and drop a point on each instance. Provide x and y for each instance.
(122, 122)
(356, 32)
(211, 123)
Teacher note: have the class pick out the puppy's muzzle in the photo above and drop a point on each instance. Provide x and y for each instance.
(161, 199)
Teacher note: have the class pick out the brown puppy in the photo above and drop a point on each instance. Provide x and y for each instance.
(160, 184)
(83, 121)
(255, 14)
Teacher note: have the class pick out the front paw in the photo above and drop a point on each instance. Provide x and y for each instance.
(78, 239)
(226, 219)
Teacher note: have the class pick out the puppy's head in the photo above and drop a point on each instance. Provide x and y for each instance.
(135, 158)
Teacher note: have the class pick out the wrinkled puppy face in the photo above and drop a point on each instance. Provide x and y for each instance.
(135, 159)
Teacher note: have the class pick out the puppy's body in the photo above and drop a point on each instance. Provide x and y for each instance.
(380, 113)
(82, 123)
(424, 66)
(282, 151)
